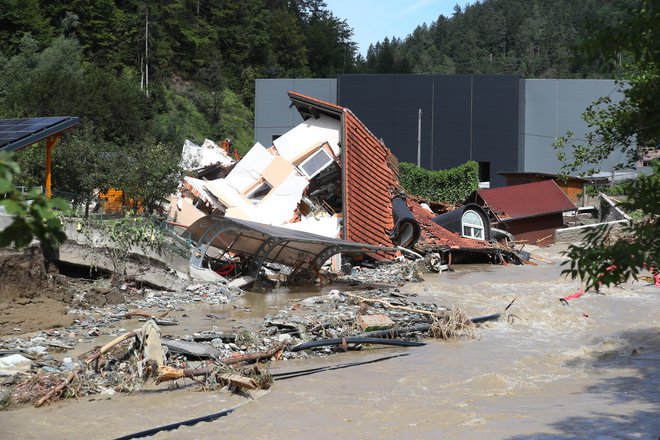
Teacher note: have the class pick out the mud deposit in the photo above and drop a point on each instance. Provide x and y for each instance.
(31, 298)
(550, 371)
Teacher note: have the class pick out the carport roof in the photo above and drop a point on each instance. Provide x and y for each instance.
(266, 243)
(20, 133)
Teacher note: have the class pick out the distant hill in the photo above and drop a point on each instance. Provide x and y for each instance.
(530, 38)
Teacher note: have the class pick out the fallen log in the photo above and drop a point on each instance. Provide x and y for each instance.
(145, 314)
(59, 388)
(253, 357)
(390, 305)
(109, 345)
(542, 260)
(160, 321)
(169, 373)
(89, 360)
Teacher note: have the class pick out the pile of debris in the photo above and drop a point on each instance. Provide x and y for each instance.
(125, 364)
(315, 326)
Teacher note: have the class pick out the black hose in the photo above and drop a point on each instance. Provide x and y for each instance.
(394, 332)
(480, 319)
(354, 340)
(279, 376)
(299, 373)
(176, 425)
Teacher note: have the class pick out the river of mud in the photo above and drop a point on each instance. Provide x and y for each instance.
(550, 371)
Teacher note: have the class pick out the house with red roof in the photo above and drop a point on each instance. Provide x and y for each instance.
(531, 212)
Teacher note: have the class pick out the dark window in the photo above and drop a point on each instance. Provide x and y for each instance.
(484, 171)
(259, 193)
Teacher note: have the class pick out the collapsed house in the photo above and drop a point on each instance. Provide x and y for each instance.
(330, 178)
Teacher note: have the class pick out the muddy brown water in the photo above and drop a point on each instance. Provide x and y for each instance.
(549, 372)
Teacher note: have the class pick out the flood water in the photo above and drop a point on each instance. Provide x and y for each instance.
(590, 370)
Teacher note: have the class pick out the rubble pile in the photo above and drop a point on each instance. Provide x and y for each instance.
(126, 364)
(143, 357)
(395, 273)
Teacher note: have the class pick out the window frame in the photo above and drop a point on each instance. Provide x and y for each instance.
(312, 156)
(468, 228)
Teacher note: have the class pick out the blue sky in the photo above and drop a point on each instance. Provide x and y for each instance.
(373, 20)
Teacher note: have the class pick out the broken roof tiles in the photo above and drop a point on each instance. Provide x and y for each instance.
(526, 200)
(435, 236)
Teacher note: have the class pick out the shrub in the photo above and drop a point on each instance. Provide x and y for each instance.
(451, 186)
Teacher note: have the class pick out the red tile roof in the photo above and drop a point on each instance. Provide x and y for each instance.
(434, 236)
(526, 200)
(368, 182)
(369, 176)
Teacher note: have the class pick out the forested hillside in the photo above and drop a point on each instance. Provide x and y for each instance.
(145, 75)
(531, 38)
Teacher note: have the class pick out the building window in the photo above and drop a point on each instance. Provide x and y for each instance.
(473, 225)
(484, 171)
(315, 163)
(258, 193)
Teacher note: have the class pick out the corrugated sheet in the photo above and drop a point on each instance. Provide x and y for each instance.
(368, 182)
(526, 200)
(434, 236)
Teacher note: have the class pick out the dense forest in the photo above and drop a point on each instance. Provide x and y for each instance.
(143, 76)
(533, 39)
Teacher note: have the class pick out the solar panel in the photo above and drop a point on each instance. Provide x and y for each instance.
(20, 133)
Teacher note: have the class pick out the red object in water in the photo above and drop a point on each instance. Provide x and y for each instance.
(577, 294)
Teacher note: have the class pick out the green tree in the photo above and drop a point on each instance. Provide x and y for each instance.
(44, 83)
(33, 216)
(148, 174)
(287, 46)
(630, 127)
(328, 39)
(19, 18)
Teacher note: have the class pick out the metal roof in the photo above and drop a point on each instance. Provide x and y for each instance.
(20, 133)
(542, 175)
(526, 200)
(266, 243)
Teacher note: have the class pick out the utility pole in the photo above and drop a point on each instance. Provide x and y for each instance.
(146, 49)
(419, 137)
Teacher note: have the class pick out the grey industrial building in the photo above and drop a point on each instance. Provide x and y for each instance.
(501, 121)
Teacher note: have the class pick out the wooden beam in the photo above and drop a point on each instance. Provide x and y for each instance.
(50, 143)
